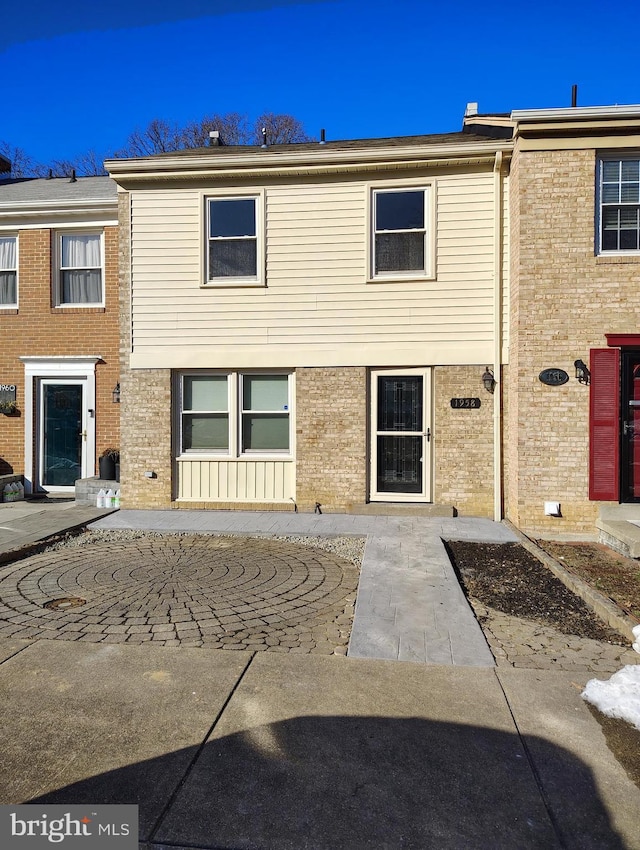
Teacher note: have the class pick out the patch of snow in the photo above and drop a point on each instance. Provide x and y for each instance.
(620, 695)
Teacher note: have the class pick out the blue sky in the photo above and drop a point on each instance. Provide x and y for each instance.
(78, 75)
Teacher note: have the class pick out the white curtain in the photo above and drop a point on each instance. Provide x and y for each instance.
(81, 269)
(7, 270)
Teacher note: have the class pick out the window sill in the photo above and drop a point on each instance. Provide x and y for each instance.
(233, 283)
(207, 456)
(401, 278)
(618, 259)
(8, 311)
(74, 308)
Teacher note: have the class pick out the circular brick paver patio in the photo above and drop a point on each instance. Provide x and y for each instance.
(199, 590)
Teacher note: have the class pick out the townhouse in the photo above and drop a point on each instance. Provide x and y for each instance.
(59, 358)
(319, 326)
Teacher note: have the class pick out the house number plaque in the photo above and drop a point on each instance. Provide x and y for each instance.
(553, 377)
(7, 392)
(465, 403)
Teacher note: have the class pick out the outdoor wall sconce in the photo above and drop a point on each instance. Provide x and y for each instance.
(583, 375)
(488, 380)
(115, 395)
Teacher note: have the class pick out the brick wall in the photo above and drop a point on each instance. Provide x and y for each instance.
(331, 437)
(37, 328)
(463, 442)
(564, 300)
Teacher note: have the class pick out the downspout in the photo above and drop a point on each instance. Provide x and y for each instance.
(498, 224)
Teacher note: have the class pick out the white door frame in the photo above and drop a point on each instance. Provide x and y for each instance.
(424, 432)
(58, 369)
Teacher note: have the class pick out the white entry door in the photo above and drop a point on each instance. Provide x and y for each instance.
(401, 435)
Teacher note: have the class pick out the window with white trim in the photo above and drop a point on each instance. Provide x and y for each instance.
(235, 413)
(400, 232)
(619, 205)
(8, 271)
(80, 270)
(233, 233)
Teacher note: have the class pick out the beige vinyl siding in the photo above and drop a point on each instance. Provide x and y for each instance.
(317, 307)
(236, 481)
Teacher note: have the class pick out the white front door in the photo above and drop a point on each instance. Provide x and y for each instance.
(401, 435)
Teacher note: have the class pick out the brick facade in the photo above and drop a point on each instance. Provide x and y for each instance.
(564, 300)
(463, 442)
(331, 437)
(38, 328)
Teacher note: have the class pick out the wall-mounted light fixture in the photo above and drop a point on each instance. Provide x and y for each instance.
(115, 395)
(583, 375)
(488, 380)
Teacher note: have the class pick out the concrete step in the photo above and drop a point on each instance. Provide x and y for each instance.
(87, 489)
(402, 509)
(619, 528)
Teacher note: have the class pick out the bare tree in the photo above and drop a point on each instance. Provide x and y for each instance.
(22, 165)
(159, 136)
(233, 128)
(280, 129)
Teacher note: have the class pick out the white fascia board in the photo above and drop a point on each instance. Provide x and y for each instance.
(55, 214)
(305, 162)
(575, 113)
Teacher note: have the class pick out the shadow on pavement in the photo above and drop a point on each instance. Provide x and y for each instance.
(334, 783)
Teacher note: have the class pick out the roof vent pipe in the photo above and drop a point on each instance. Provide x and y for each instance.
(73, 178)
(264, 137)
(323, 140)
(574, 96)
(50, 177)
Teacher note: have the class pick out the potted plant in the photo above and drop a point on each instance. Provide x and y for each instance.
(109, 465)
(8, 407)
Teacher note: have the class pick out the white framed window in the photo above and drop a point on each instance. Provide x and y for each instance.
(235, 413)
(234, 254)
(401, 237)
(80, 270)
(8, 271)
(619, 205)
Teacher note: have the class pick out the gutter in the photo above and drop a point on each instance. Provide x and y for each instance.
(307, 163)
(572, 113)
(498, 224)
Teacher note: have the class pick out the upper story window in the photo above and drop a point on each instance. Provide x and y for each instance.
(619, 193)
(80, 270)
(8, 271)
(400, 233)
(233, 240)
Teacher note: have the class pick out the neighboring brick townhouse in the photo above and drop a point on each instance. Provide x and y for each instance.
(388, 321)
(59, 349)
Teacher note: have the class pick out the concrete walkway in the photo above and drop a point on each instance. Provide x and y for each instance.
(409, 607)
(269, 751)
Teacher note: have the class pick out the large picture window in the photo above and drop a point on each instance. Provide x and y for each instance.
(80, 269)
(8, 271)
(619, 192)
(400, 233)
(232, 240)
(235, 413)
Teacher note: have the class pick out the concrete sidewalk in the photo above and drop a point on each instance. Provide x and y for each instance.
(280, 752)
